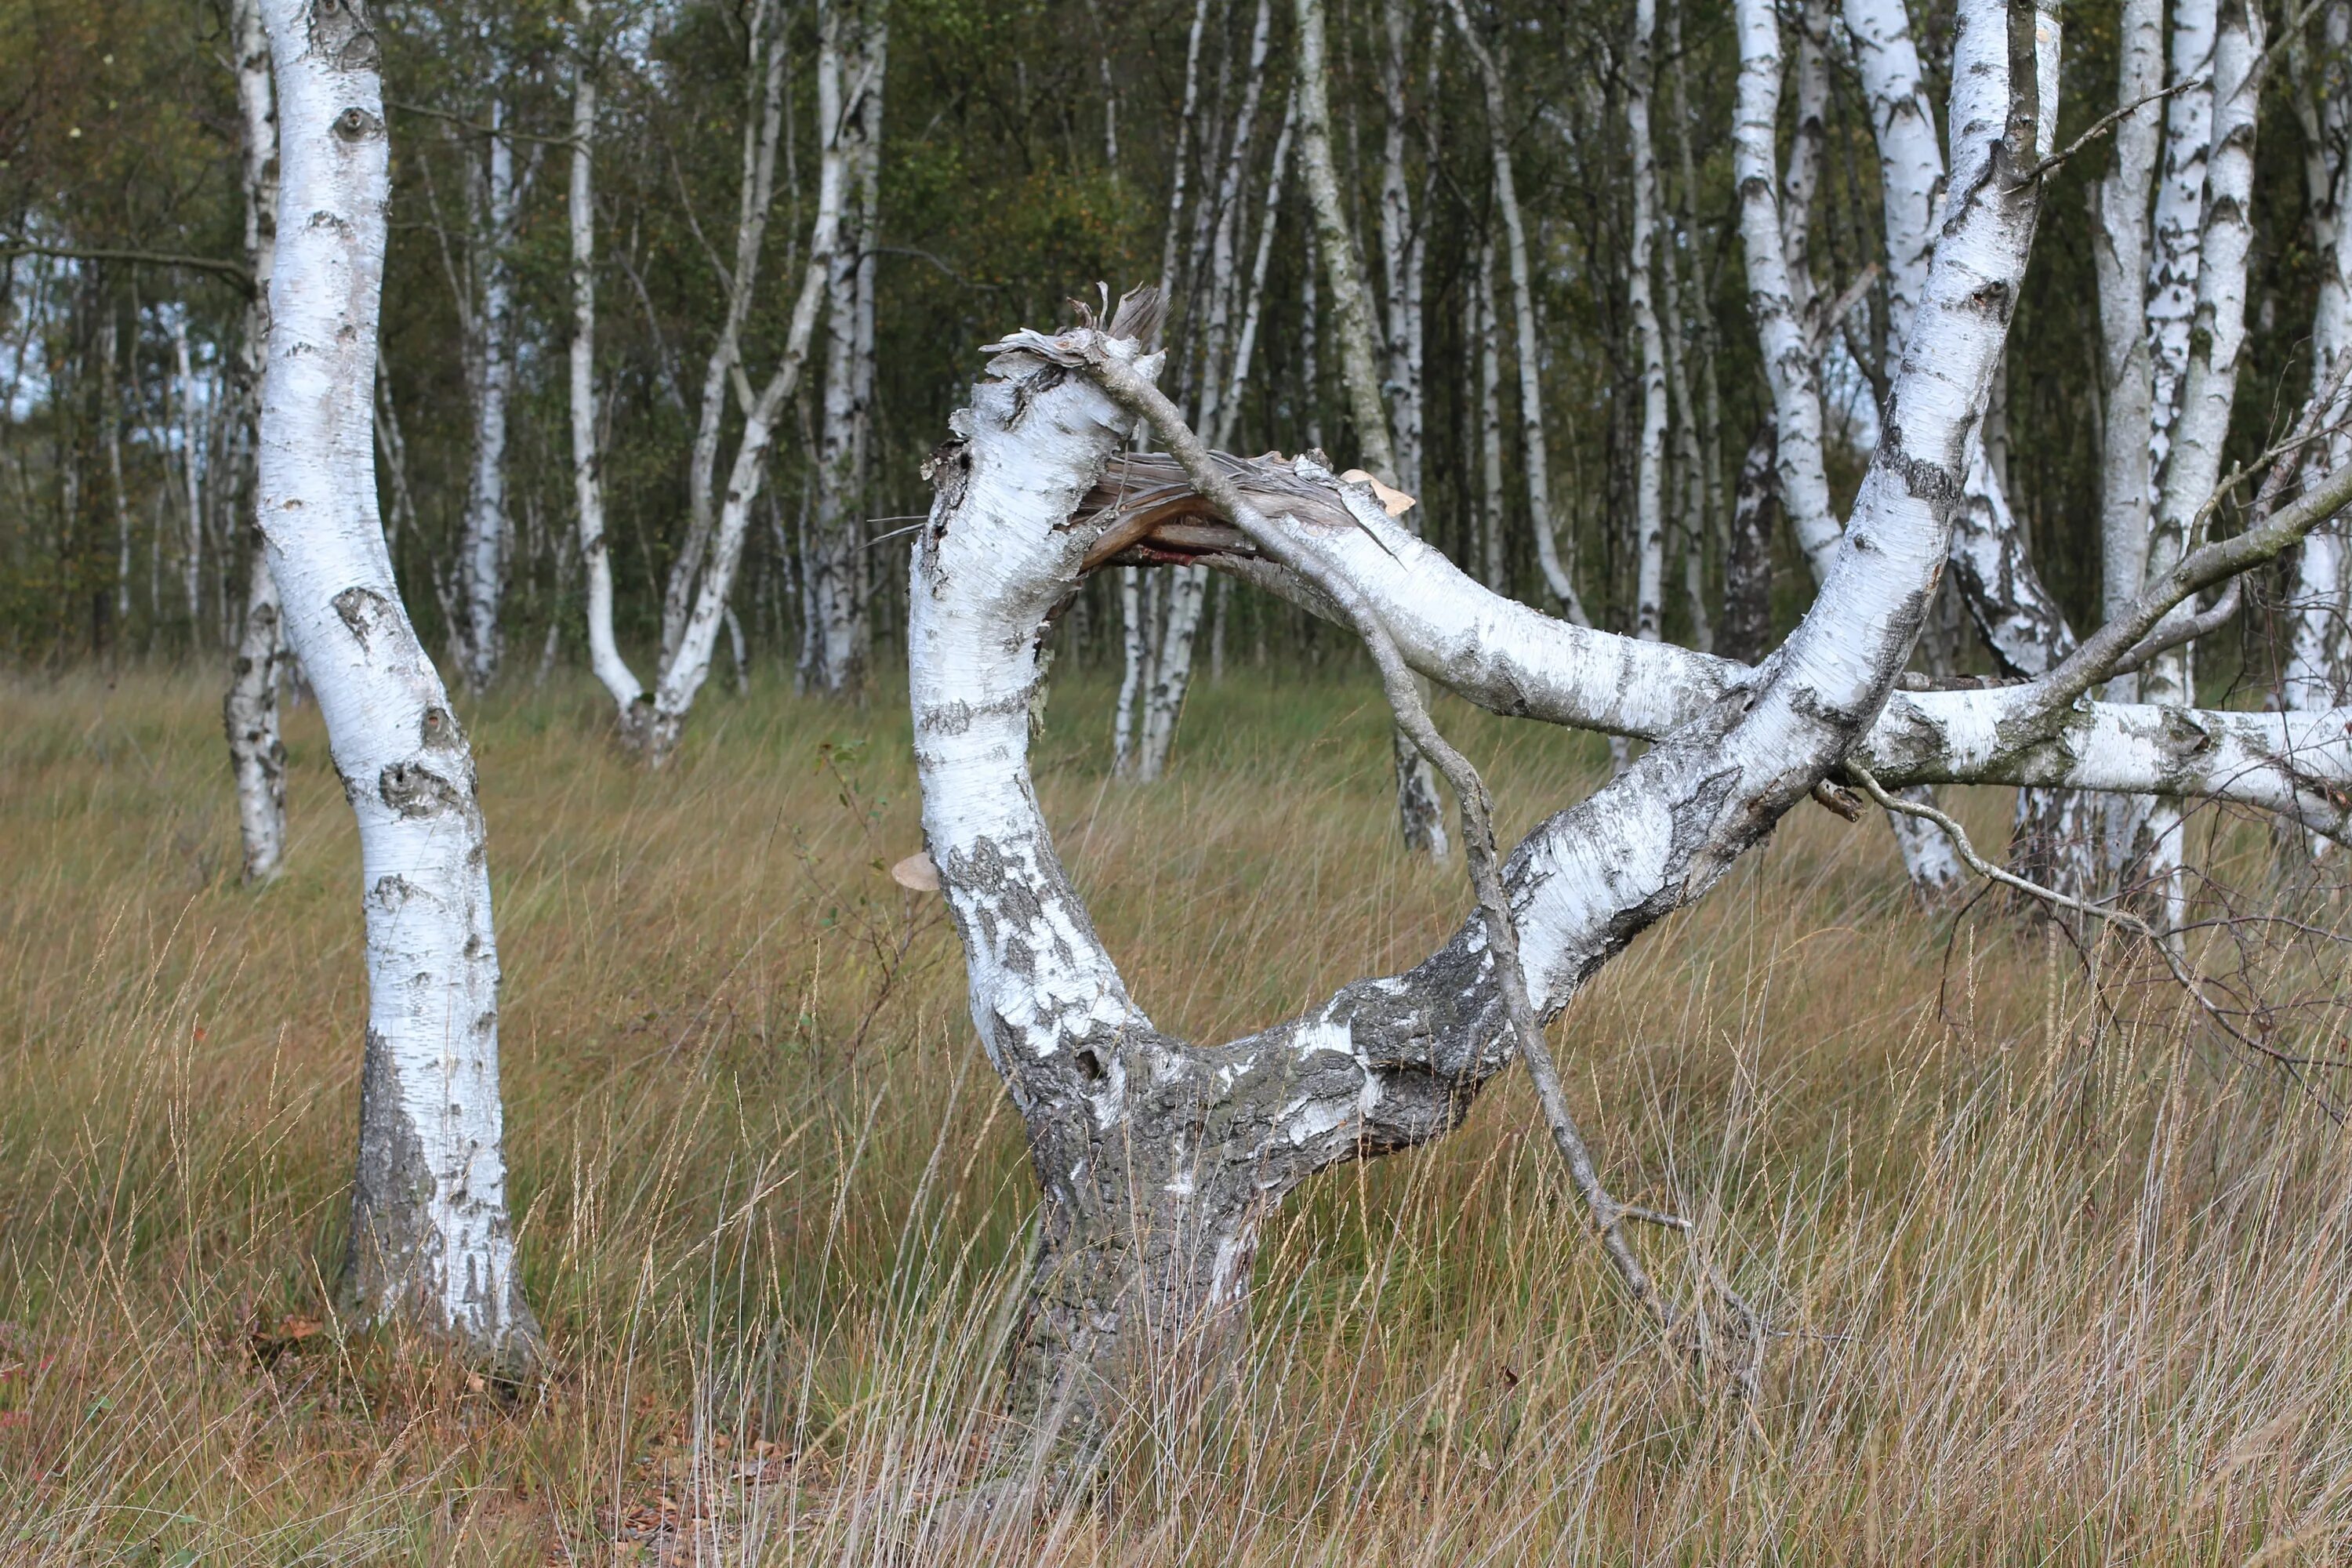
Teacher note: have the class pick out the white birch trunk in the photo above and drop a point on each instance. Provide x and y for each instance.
(1184, 594)
(857, 40)
(1418, 815)
(483, 544)
(110, 353)
(1649, 492)
(2191, 446)
(2120, 234)
(249, 710)
(2180, 224)
(763, 126)
(1490, 419)
(1535, 452)
(192, 561)
(2318, 673)
(587, 460)
(1774, 292)
(689, 666)
(431, 1242)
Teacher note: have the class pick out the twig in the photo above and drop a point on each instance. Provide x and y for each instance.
(2163, 942)
(2108, 121)
(235, 271)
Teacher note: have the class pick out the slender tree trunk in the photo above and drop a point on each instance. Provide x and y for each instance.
(629, 697)
(1490, 419)
(859, 39)
(249, 710)
(2190, 443)
(192, 562)
(1777, 294)
(483, 548)
(1789, 320)
(1419, 819)
(110, 393)
(1747, 564)
(2120, 240)
(431, 1241)
(2318, 673)
(1535, 446)
(1184, 593)
(722, 376)
(1649, 494)
(686, 668)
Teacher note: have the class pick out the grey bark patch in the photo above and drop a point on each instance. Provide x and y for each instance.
(413, 790)
(392, 890)
(392, 1238)
(341, 34)
(363, 611)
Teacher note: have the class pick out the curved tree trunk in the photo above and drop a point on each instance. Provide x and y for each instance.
(629, 698)
(431, 1243)
(1157, 1159)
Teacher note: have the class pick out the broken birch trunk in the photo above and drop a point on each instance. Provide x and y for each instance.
(1158, 1161)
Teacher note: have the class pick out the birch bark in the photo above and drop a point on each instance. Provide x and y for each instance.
(2318, 673)
(604, 657)
(1535, 446)
(482, 549)
(2193, 426)
(860, 37)
(2120, 234)
(1419, 819)
(1182, 592)
(1649, 496)
(764, 62)
(431, 1242)
(702, 579)
(249, 710)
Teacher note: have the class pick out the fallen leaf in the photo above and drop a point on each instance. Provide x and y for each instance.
(1394, 501)
(916, 872)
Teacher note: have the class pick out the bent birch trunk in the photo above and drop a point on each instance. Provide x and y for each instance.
(431, 1245)
(1159, 1161)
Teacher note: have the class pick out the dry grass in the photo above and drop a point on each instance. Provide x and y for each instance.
(2054, 1299)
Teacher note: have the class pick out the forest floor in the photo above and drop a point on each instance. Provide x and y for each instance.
(2053, 1278)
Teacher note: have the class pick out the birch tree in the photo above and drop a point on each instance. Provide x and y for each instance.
(2318, 673)
(1784, 301)
(1159, 1160)
(249, 711)
(2197, 355)
(1535, 451)
(702, 578)
(835, 598)
(1420, 818)
(431, 1243)
(493, 210)
(1649, 484)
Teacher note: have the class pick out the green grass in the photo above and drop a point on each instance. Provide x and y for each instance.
(2057, 1291)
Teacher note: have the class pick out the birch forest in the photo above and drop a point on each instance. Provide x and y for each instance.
(1699, 658)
